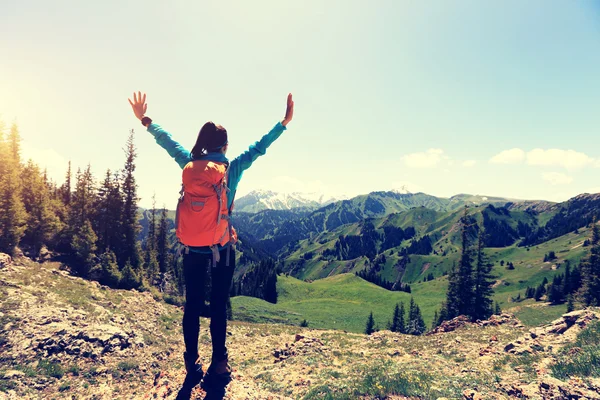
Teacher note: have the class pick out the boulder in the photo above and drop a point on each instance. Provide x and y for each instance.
(5, 260)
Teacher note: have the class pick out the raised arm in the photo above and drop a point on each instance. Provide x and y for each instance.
(245, 160)
(162, 137)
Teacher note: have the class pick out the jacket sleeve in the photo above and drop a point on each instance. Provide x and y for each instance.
(175, 150)
(245, 160)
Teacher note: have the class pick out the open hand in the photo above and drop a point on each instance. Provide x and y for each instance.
(289, 112)
(139, 105)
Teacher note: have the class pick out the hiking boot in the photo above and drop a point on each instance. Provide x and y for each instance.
(192, 378)
(191, 364)
(217, 378)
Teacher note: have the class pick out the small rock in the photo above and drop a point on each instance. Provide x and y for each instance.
(471, 394)
(5, 260)
(509, 347)
(559, 328)
(11, 374)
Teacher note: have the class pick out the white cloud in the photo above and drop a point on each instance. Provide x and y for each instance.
(557, 178)
(469, 163)
(569, 159)
(512, 156)
(427, 159)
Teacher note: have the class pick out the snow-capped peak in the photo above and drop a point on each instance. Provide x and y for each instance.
(402, 190)
(259, 200)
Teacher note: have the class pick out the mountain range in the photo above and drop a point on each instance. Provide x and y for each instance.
(405, 238)
(259, 200)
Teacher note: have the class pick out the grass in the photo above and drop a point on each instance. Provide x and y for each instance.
(50, 368)
(343, 302)
(581, 358)
(6, 385)
(380, 381)
(526, 364)
(123, 368)
(340, 302)
(532, 314)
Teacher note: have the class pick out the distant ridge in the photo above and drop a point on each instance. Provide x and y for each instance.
(260, 200)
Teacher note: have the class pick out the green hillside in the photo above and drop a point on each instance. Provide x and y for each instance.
(309, 259)
(344, 302)
(339, 302)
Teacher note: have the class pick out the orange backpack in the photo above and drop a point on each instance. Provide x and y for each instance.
(202, 218)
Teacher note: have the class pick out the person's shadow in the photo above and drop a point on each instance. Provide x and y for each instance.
(185, 393)
(218, 395)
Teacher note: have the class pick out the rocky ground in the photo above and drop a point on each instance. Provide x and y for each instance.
(62, 337)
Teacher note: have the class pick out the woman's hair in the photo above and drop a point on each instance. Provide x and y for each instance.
(211, 138)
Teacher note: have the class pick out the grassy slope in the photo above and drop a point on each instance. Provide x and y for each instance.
(433, 223)
(344, 301)
(339, 302)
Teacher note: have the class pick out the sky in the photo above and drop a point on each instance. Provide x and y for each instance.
(497, 98)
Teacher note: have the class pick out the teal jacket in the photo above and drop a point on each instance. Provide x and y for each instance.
(236, 167)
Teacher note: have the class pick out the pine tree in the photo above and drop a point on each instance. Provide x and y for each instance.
(570, 304)
(129, 222)
(13, 215)
(271, 287)
(151, 240)
(130, 278)
(114, 213)
(539, 292)
(41, 223)
(398, 324)
(3, 149)
(152, 267)
(162, 241)
(109, 274)
(497, 309)
(402, 319)
(555, 291)
(590, 271)
(84, 248)
(450, 308)
(103, 218)
(443, 316)
(65, 189)
(151, 254)
(461, 285)
(370, 328)
(482, 305)
(434, 323)
(567, 281)
(14, 141)
(416, 325)
(575, 279)
(83, 199)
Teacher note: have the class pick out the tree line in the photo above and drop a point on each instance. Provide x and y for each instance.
(411, 324)
(577, 284)
(470, 283)
(94, 224)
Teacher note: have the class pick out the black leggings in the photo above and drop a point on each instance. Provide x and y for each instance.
(195, 267)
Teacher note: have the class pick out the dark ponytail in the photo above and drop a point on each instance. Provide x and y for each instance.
(211, 138)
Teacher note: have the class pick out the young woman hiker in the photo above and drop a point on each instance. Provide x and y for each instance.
(203, 227)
